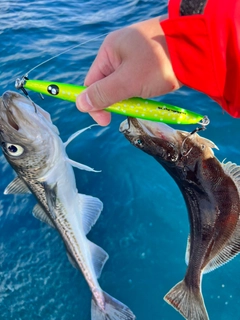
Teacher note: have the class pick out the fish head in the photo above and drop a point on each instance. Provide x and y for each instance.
(25, 133)
(169, 146)
(156, 139)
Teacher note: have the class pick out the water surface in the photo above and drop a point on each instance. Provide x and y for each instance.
(144, 223)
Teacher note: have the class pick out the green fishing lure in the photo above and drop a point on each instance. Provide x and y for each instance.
(134, 107)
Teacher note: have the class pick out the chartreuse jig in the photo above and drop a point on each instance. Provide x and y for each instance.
(133, 107)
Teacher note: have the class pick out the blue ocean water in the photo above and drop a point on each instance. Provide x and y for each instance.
(144, 223)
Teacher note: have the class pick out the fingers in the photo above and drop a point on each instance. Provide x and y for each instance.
(100, 116)
(132, 62)
(105, 92)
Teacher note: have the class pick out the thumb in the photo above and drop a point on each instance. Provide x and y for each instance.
(103, 93)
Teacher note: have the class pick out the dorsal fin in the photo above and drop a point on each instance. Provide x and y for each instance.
(90, 208)
(233, 171)
(232, 247)
(17, 186)
(99, 257)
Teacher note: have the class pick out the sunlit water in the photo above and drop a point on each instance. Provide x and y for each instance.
(144, 223)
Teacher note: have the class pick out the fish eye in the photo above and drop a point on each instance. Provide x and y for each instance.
(13, 149)
(139, 142)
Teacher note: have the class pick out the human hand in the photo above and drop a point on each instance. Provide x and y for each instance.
(132, 62)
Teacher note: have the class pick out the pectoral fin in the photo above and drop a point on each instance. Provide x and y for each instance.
(74, 135)
(17, 186)
(81, 166)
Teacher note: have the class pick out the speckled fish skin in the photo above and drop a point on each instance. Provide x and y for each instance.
(32, 146)
(211, 192)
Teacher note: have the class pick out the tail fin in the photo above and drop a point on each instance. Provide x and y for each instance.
(114, 310)
(188, 301)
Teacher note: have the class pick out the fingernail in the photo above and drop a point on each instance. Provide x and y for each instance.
(84, 103)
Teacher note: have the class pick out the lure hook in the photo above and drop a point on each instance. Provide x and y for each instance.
(19, 84)
(204, 122)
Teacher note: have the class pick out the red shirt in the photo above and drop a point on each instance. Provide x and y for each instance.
(205, 48)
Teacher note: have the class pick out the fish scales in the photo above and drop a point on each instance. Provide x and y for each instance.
(31, 145)
(211, 193)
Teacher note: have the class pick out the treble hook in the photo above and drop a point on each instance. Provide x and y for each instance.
(204, 122)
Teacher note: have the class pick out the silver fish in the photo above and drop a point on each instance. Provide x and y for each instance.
(212, 194)
(31, 144)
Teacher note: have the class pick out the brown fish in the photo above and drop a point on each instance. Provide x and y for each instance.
(211, 191)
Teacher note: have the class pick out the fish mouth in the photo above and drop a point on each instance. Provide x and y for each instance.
(133, 126)
(125, 126)
(14, 108)
(6, 102)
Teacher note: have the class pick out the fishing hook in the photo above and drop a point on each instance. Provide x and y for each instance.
(204, 122)
(19, 84)
(126, 130)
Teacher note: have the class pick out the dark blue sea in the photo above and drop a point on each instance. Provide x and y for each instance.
(144, 224)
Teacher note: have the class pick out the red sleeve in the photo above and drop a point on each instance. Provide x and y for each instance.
(205, 49)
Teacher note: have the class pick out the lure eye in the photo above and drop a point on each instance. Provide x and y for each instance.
(13, 149)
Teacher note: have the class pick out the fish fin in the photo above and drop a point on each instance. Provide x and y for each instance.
(233, 171)
(81, 166)
(187, 301)
(71, 260)
(51, 192)
(74, 135)
(232, 247)
(91, 208)
(40, 214)
(227, 254)
(17, 186)
(188, 250)
(99, 258)
(230, 251)
(114, 310)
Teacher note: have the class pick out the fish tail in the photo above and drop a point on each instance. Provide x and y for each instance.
(187, 301)
(113, 310)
